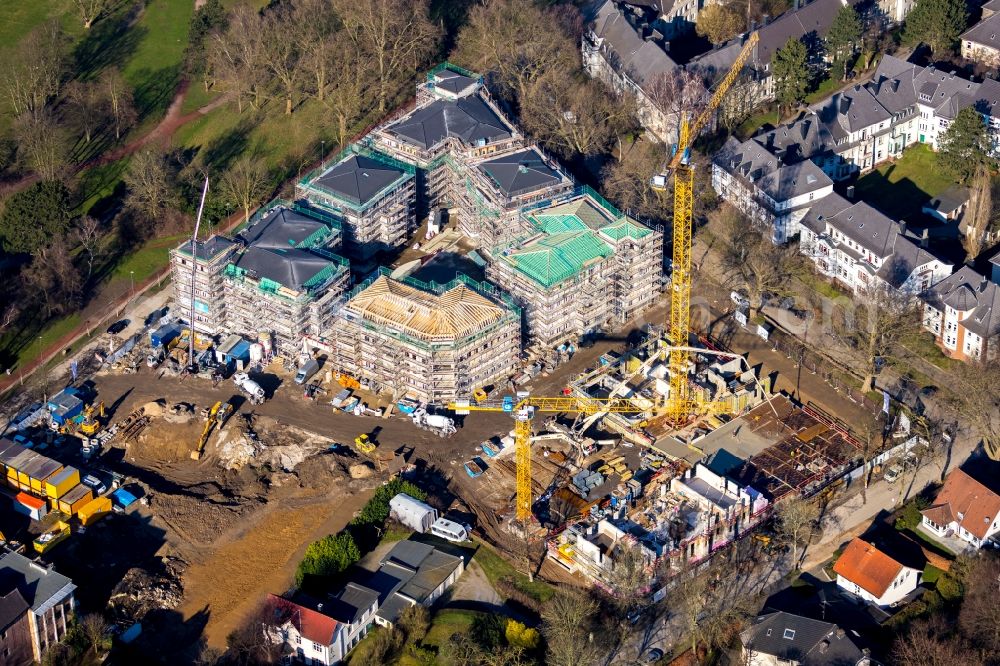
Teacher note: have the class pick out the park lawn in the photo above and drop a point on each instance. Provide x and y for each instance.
(446, 623)
(43, 339)
(495, 568)
(154, 68)
(197, 96)
(755, 122)
(147, 260)
(900, 188)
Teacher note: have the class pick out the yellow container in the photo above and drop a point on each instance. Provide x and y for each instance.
(75, 499)
(94, 510)
(61, 482)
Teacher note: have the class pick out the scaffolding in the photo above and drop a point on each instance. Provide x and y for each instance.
(436, 342)
(209, 304)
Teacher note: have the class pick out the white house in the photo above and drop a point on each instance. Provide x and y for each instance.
(964, 508)
(321, 633)
(981, 42)
(864, 570)
(963, 313)
(863, 249)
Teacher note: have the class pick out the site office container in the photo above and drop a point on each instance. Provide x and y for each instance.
(94, 510)
(61, 482)
(20, 463)
(77, 498)
(33, 507)
(39, 470)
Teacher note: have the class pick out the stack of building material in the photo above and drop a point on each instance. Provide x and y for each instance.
(585, 481)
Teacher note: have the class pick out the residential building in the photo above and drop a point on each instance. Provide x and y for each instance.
(949, 206)
(867, 572)
(373, 195)
(895, 11)
(785, 639)
(50, 603)
(204, 267)
(863, 249)
(320, 633)
(963, 313)
(995, 268)
(413, 573)
(15, 629)
(964, 508)
(584, 266)
(981, 43)
(437, 343)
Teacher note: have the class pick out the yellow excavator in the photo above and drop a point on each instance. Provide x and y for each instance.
(217, 417)
(93, 419)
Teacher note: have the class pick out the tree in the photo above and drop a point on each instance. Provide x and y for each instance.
(33, 216)
(937, 23)
(678, 93)
(43, 143)
(844, 36)
(518, 42)
(207, 19)
(348, 98)
(396, 34)
(245, 183)
(979, 618)
(95, 629)
(327, 557)
(626, 181)
(978, 217)
(719, 23)
(85, 105)
(977, 402)
(877, 327)
(384, 643)
(317, 27)
(415, 620)
(794, 521)
(931, 642)
(120, 101)
(568, 625)
(236, 57)
(88, 235)
(791, 72)
(574, 117)
(965, 146)
(518, 635)
(283, 53)
(35, 73)
(148, 183)
(91, 10)
(52, 277)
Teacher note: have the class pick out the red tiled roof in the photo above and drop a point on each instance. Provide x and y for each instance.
(939, 514)
(313, 625)
(868, 567)
(972, 504)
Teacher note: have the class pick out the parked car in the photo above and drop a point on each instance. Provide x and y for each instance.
(118, 326)
(654, 655)
(739, 300)
(893, 473)
(94, 484)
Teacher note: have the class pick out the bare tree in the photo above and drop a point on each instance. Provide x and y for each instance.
(245, 183)
(930, 642)
(518, 41)
(237, 57)
(720, 22)
(84, 100)
(8, 315)
(120, 101)
(794, 521)
(348, 99)
(976, 400)
(95, 629)
(88, 234)
(148, 183)
(396, 34)
(415, 620)
(979, 618)
(317, 28)
(43, 143)
(677, 94)
(91, 10)
(283, 53)
(626, 181)
(574, 117)
(977, 219)
(34, 75)
(52, 277)
(568, 624)
(877, 327)
(871, 433)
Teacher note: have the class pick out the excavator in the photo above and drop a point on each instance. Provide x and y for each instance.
(93, 419)
(217, 416)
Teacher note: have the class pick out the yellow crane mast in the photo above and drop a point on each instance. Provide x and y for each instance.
(679, 406)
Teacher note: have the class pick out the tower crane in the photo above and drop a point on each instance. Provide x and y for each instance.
(679, 403)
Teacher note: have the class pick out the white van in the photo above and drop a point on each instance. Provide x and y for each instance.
(308, 369)
(450, 530)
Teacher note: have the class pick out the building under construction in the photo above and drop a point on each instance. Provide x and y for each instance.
(435, 343)
(584, 266)
(373, 196)
(213, 256)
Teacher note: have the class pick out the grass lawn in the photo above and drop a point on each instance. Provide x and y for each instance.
(147, 260)
(495, 568)
(444, 624)
(931, 574)
(752, 124)
(900, 188)
(154, 67)
(825, 88)
(934, 544)
(923, 345)
(197, 97)
(46, 337)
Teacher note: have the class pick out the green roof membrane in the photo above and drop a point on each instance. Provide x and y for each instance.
(558, 257)
(625, 227)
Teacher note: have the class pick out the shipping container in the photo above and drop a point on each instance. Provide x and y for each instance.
(59, 533)
(32, 507)
(39, 470)
(94, 510)
(61, 482)
(75, 499)
(20, 462)
(123, 498)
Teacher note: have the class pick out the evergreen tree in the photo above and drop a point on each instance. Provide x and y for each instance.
(791, 72)
(964, 146)
(844, 37)
(937, 23)
(33, 217)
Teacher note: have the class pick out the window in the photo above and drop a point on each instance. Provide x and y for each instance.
(789, 634)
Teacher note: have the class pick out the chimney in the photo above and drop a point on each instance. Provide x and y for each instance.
(925, 238)
(850, 193)
(845, 105)
(766, 19)
(902, 227)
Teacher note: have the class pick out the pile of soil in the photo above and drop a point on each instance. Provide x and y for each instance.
(143, 589)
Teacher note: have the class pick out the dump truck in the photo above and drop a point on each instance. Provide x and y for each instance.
(49, 540)
(436, 423)
(250, 387)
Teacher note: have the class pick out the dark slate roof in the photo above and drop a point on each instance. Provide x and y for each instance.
(950, 200)
(967, 290)
(453, 82)
(521, 172)
(411, 570)
(799, 639)
(907, 257)
(359, 178)
(208, 248)
(640, 59)
(291, 268)
(869, 228)
(469, 119)
(986, 32)
(350, 604)
(12, 608)
(995, 259)
(797, 141)
(36, 584)
(281, 229)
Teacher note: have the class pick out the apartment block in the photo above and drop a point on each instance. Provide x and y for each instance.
(435, 342)
(963, 313)
(584, 267)
(373, 196)
(980, 43)
(40, 600)
(204, 267)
